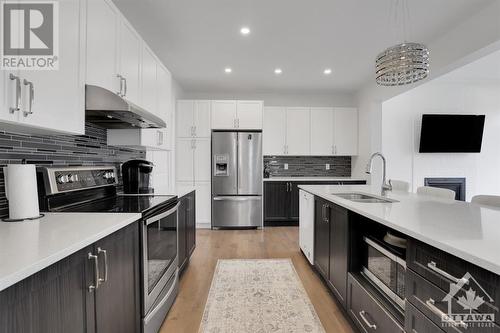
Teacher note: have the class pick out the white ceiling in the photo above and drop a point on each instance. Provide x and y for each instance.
(485, 70)
(197, 39)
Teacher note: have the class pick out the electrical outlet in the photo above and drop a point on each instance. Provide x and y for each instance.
(285, 166)
(327, 166)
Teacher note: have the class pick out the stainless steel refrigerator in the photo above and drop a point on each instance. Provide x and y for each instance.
(236, 179)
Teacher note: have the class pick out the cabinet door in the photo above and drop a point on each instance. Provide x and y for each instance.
(149, 82)
(223, 114)
(102, 24)
(191, 223)
(57, 98)
(202, 119)
(306, 224)
(346, 131)
(321, 131)
(203, 208)
(55, 300)
(164, 94)
(181, 233)
(130, 61)
(276, 201)
(321, 237)
(202, 160)
(117, 301)
(185, 160)
(298, 131)
(294, 201)
(8, 96)
(338, 251)
(274, 131)
(249, 114)
(185, 118)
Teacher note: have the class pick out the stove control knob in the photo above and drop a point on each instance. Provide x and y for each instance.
(62, 179)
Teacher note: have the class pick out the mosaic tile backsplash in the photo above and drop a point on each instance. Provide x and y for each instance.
(70, 150)
(307, 166)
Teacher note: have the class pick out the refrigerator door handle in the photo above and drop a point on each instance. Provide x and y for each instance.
(236, 198)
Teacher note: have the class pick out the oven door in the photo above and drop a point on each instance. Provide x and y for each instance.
(159, 239)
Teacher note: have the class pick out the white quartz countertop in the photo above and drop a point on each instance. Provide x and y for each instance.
(466, 230)
(312, 179)
(28, 247)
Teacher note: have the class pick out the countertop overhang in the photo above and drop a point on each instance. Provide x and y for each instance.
(468, 231)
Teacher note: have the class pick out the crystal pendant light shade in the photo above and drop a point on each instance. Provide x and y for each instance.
(402, 64)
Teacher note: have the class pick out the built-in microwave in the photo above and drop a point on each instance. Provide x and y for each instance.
(385, 267)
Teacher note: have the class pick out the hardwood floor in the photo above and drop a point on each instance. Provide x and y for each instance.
(278, 242)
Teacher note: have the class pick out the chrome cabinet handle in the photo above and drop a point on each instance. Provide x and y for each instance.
(94, 286)
(159, 140)
(124, 86)
(194, 130)
(120, 93)
(431, 304)
(105, 253)
(18, 92)
(370, 325)
(432, 265)
(31, 97)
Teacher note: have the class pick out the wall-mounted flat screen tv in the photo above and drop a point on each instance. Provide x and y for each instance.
(451, 133)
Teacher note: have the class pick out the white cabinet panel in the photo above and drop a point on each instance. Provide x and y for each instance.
(102, 23)
(149, 100)
(185, 160)
(154, 138)
(202, 160)
(202, 118)
(224, 114)
(55, 98)
(298, 131)
(306, 224)
(346, 131)
(164, 94)
(249, 115)
(185, 118)
(8, 96)
(203, 203)
(274, 131)
(129, 61)
(322, 131)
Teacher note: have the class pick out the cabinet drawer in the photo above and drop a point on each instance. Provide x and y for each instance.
(445, 270)
(430, 300)
(366, 312)
(416, 322)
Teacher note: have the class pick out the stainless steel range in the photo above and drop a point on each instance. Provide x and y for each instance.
(94, 189)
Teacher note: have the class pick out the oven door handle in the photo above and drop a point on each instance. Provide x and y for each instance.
(163, 215)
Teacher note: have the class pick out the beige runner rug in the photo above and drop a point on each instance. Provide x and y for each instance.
(258, 296)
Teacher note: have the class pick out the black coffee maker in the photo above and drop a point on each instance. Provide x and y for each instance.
(137, 177)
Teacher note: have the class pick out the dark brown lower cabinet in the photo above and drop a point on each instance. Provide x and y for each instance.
(331, 248)
(186, 230)
(58, 299)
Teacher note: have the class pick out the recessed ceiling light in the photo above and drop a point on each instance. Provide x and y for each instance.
(278, 71)
(245, 30)
(228, 70)
(327, 71)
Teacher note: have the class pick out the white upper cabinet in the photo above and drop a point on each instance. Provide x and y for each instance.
(322, 131)
(297, 131)
(224, 114)
(151, 138)
(249, 115)
(345, 131)
(149, 100)
(193, 118)
(164, 94)
(102, 44)
(274, 131)
(53, 100)
(129, 57)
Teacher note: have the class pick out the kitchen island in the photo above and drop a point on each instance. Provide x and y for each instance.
(452, 246)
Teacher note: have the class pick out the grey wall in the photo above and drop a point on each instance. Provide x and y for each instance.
(46, 150)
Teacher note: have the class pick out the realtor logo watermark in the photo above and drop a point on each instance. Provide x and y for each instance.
(470, 296)
(29, 35)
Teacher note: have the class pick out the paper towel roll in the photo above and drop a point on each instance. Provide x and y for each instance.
(21, 191)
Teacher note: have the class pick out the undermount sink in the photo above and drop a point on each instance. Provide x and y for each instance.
(365, 198)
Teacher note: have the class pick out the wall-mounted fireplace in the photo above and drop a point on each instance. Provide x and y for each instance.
(454, 184)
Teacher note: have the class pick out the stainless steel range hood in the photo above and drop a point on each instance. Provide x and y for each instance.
(106, 109)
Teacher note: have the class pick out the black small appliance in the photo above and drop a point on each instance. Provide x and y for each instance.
(137, 177)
